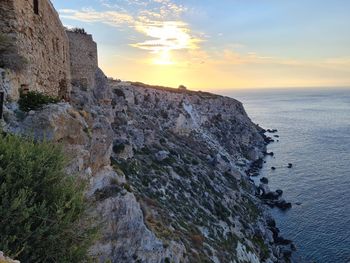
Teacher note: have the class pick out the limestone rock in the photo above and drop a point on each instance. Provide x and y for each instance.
(161, 155)
(166, 171)
(56, 122)
(132, 240)
(4, 259)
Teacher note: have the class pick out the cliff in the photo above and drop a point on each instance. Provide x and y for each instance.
(166, 169)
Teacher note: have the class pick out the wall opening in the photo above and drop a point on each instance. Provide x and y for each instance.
(24, 89)
(36, 6)
(1, 102)
(57, 46)
(63, 89)
(53, 46)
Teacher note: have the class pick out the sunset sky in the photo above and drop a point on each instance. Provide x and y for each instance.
(222, 44)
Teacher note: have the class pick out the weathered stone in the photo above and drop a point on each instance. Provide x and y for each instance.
(183, 154)
(39, 39)
(83, 59)
(161, 155)
(56, 122)
(4, 259)
(101, 144)
(264, 180)
(124, 223)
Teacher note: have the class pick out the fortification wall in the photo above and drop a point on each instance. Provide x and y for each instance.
(83, 59)
(39, 36)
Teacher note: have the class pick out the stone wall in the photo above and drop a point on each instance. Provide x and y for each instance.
(84, 62)
(41, 40)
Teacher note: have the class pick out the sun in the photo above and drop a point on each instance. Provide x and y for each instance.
(163, 58)
(166, 38)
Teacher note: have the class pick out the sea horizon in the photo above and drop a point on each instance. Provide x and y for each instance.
(173, 131)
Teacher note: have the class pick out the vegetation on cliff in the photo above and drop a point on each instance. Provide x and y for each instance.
(33, 100)
(41, 208)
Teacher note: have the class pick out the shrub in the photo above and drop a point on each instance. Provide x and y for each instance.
(119, 93)
(127, 187)
(9, 56)
(264, 251)
(118, 148)
(41, 208)
(34, 100)
(195, 162)
(197, 240)
(77, 30)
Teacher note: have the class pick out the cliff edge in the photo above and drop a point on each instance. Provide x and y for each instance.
(166, 170)
(166, 167)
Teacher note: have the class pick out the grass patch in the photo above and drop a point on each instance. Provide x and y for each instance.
(264, 251)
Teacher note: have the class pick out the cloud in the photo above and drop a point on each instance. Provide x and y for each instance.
(158, 20)
(230, 59)
(112, 18)
(166, 36)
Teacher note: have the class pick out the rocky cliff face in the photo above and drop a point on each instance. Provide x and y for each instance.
(4, 259)
(166, 170)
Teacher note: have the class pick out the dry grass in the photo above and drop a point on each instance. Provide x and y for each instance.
(202, 94)
(197, 240)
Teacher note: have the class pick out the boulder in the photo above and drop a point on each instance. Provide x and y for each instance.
(268, 139)
(124, 223)
(282, 204)
(161, 155)
(287, 253)
(56, 122)
(263, 189)
(279, 192)
(271, 196)
(4, 259)
(282, 241)
(264, 180)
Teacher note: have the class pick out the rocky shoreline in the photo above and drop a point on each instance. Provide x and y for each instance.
(167, 172)
(271, 198)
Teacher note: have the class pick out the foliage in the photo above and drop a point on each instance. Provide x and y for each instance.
(118, 148)
(42, 210)
(77, 30)
(9, 55)
(264, 251)
(34, 100)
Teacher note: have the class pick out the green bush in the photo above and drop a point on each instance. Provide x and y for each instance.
(77, 30)
(43, 214)
(34, 100)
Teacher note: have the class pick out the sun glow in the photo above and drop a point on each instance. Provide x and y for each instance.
(167, 36)
(149, 41)
(164, 58)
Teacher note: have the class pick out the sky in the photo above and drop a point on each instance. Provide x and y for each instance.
(218, 44)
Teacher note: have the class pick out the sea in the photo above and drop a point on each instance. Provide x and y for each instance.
(314, 135)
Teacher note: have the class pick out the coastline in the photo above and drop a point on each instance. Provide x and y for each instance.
(319, 153)
(198, 142)
(271, 199)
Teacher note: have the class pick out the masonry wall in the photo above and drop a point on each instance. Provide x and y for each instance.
(84, 61)
(41, 39)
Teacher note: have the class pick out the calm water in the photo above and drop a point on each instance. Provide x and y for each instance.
(314, 130)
